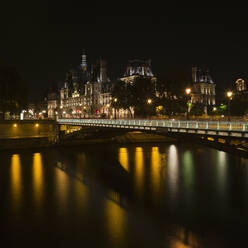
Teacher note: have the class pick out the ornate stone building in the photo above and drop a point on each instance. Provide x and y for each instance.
(86, 92)
(203, 87)
(137, 68)
(241, 85)
(241, 88)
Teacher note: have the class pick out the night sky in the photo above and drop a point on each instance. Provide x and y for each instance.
(44, 41)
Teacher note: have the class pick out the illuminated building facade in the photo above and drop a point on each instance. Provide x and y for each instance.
(241, 88)
(86, 92)
(52, 104)
(203, 87)
(137, 68)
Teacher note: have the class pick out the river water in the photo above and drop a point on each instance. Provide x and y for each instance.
(137, 195)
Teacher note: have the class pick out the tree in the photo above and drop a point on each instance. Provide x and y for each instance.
(13, 90)
(171, 87)
(197, 109)
(239, 106)
(122, 92)
(134, 96)
(143, 89)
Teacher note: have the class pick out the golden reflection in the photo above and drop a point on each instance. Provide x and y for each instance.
(81, 194)
(173, 169)
(185, 239)
(115, 220)
(139, 168)
(155, 169)
(16, 183)
(62, 183)
(79, 186)
(80, 165)
(38, 176)
(123, 158)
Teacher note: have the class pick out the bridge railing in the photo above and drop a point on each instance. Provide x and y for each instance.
(210, 125)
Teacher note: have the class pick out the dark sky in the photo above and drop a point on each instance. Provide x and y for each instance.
(44, 41)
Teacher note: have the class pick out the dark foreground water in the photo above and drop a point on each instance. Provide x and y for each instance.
(147, 195)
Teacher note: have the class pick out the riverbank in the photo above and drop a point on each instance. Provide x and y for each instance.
(82, 139)
(100, 137)
(25, 143)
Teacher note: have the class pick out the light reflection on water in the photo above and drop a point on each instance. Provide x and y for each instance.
(139, 170)
(62, 190)
(221, 167)
(123, 158)
(91, 206)
(173, 170)
(16, 181)
(156, 168)
(38, 178)
(185, 239)
(115, 220)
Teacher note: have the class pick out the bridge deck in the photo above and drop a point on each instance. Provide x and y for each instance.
(237, 129)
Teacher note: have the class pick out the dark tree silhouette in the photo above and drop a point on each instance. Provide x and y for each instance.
(135, 95)
(13, 90)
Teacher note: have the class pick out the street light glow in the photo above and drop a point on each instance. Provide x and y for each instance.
(115, 100)
(188, 91)
(149, 101)
(229, 94)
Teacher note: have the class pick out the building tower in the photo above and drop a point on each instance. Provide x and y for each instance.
(203, 88)
(103, 71)
(84, 62)
(240, 85)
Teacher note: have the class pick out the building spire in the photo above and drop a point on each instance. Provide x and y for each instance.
(84, 61)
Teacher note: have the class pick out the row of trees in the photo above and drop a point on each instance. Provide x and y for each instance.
(13, 91)
(135, 96)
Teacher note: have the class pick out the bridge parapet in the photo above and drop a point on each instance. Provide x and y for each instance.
(220, 128)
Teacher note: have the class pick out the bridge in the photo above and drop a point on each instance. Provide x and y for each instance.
(212, 128)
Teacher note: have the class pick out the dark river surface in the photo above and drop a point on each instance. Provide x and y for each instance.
(137, 195)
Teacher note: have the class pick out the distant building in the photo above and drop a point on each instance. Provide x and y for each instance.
(86, 92)
(203, 87)
(52, 104)
(137, 68)
(241, 85)
(241, 88)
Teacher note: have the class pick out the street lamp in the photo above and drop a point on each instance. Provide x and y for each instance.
(188, 92)
(84, 110)
(149, 101)
(229, 95)
(115, 100)
(108, 105)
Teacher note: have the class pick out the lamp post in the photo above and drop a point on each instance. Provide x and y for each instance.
(149, 101)
(115, 101)
(108, 105)
(188, 92)
(84, 111)
(229, 95)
